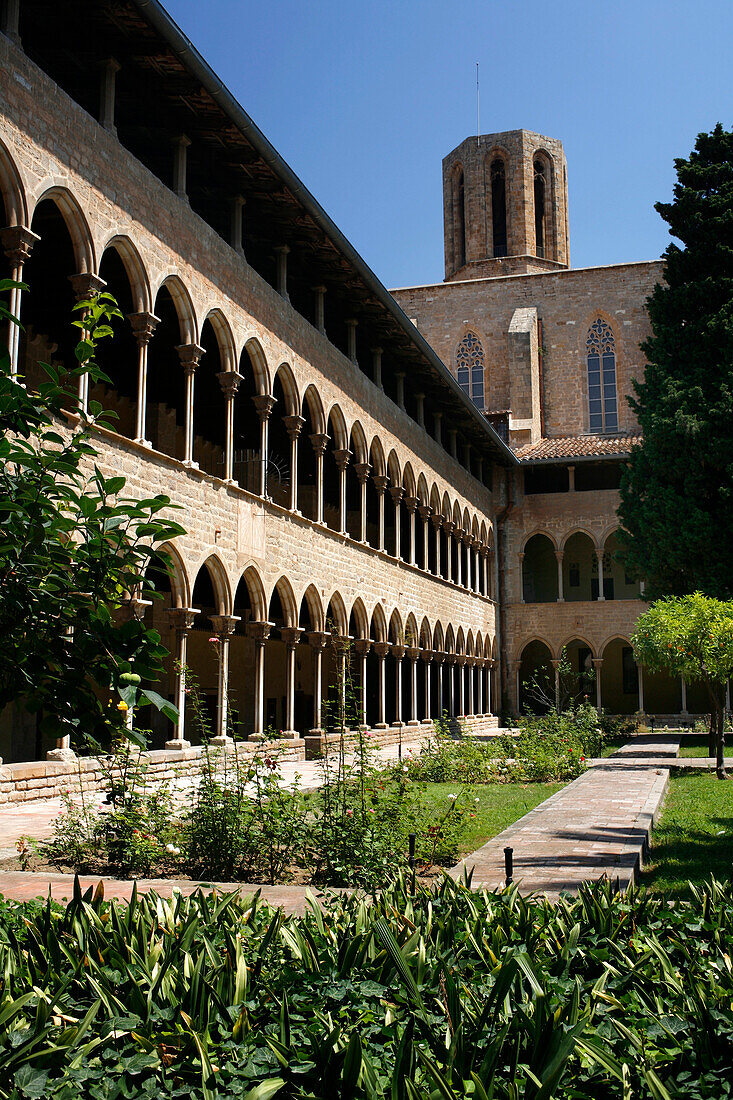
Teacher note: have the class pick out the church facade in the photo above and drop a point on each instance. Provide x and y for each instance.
(415, 485)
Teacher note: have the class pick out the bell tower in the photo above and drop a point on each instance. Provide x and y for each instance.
(505, 206)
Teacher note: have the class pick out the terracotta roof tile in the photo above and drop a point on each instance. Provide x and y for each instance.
(578, 446)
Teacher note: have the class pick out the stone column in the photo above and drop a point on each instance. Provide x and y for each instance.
(319, 442)
(377, 367)
(461, 663)
(181, 620)
(411, 504)
(180, 159)
(597, 665)
(520, 558)
(398, 652)
(351, 324)
(459, 554)
(17, 243)
(362, 469)
(342, 458)
(489, 676)
(293, 426)
(260, 632)
(85, 286)
(341, 645)
(413, 654)
(223, 628)
(556, 666)
(143, 326)
(571, 479)
(559, 555)
(362, 647)
(317, 639)
(381, 649)
(320, 308)
(380, 484)
(236, 225)
(640, 669)
(264, 404)
(517, 681)
(451, 661)
(486, 554)
(425, 513)
(437, 522)
(420, 400)
(439, 656)
(599, 559)
(291, 636)
(110, 68)
(438, 417)
(189, 356)
(229, 381)
(448, 527)
(281, 265)
(453, 442)
(400, 380)
(397, 493)
(470, 665)
(426, 656)
(468, 543)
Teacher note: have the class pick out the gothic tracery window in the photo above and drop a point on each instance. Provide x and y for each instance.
(470, 368)
(601, 360)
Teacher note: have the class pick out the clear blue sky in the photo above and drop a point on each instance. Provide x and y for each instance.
(364, 99)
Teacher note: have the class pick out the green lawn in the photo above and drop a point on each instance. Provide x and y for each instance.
(694, 837)
(696, 745)
(499, 805)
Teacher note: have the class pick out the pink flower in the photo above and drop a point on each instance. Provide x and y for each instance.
(214, 640)
(349, 813)
(371, 810)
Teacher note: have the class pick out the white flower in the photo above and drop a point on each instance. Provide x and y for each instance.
(405, 768)
(170, 848)
(476, 799)
(176, 851)
(453, 797)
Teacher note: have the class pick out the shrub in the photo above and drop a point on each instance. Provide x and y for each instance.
(448, 993)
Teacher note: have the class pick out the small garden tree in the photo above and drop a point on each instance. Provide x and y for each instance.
(73, 550)
(691, 636)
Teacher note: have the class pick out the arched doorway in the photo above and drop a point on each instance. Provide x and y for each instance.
(539, 571)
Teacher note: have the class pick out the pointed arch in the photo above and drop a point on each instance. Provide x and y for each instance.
(600, 355)
(12, 190)
(224, 338)
(312, 399)
(446, 509)
(358, 443)
(540, 531)
(336, 618)
(338, 431)
(412, 634)
(471, 367)
(183, 306)
(396, 628)
(256, 592)
(422, 490)
(408, 480)
(359, 614)
(435, 503)
(135, 268)
(258, 364)
(426, 637)
(438, 637)
(284, 374)
(284, 589)
(450, 639)
(460, 641)
(379, 624)
(312, 605)
(457, 517)
(220, 583)
(578, 531)
(76, 223)
(180, 585)
(376, 457)
(393, 468)
(469, 643)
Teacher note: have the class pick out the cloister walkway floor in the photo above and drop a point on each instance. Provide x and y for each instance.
(598, 825)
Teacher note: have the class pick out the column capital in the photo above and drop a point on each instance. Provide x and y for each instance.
(555, 665)
(318, 639)
(319, 441)
(398, 651)
(437, 520)
(291, 635)
(426, 655)
(230, 380)
(411, 504)
(143, 326)
(293, 425)
(381, 481)
(597, 662)
(182, 618)
(259, 631)
(319, 289)
(281, 249)
(381, 649)
(190, 356)
(425, 511)
(17, 242)
(134, 608)
(264, 403)
(559, 554)
(451, 658)
(86, 285)
(439, 655)
(342, 457)
(461, 659)
(362, 646)
(224, 624)
(413, 652)
(397, 493)
(448, 526)
(362, 470)
(466, 537)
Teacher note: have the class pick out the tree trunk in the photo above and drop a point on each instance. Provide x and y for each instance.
(712, 733)
(720, 745)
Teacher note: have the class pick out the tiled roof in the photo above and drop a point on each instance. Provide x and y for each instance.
(578, 446)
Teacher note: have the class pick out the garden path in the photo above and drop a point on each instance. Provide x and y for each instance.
(598, 825)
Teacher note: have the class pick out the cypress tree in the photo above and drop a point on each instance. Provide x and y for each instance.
(677, 491)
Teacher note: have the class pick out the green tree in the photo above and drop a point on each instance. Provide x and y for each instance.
(691, 636)
(73, 549)
(676, 493)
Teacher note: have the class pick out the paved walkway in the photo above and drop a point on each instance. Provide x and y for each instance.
(598, 825)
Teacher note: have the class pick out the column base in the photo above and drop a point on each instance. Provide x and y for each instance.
(178, 745)
(61, 756)
(427, 722)
(256, 737)
(222, 741)
(143, 443)
(380, 726)
(190, 464)
(289, 735)
(412, 722)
